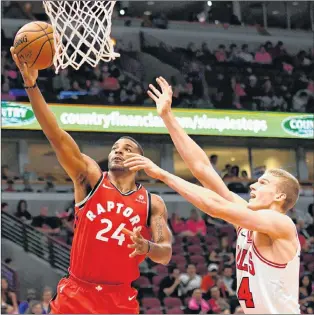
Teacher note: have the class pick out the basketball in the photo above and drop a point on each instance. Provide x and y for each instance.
(34, 45)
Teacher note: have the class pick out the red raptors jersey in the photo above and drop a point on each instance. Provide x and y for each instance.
(99, 250)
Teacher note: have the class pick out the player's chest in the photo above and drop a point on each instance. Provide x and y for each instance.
(131, 211)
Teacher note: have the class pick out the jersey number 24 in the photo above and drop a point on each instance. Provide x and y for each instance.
(117, 235)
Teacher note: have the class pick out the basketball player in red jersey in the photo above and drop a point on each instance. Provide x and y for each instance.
(103, 260)
(268, 249)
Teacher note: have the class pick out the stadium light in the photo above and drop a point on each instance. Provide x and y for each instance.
(209, 3)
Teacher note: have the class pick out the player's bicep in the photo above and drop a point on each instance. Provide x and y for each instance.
(70, 156)
(159, 222)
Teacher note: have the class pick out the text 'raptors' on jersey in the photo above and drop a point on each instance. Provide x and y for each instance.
(265, 287)
(99, 250)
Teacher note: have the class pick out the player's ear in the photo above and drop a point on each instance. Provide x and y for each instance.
(280, 196)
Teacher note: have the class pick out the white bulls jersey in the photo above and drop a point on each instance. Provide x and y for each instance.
(265, 287)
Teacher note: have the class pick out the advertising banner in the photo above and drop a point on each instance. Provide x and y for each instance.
(87, 118)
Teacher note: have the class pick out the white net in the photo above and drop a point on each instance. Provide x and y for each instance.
(81, 32)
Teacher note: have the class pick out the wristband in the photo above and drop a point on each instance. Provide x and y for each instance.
(30, 87)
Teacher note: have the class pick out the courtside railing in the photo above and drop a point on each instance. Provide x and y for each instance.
(51, 250)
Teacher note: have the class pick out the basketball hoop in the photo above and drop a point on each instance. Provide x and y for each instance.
(81, 32)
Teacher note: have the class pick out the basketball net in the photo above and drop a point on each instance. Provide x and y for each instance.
(81, 32)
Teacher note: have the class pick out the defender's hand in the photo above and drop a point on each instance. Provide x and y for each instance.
(163, 100)
(136, 162)
(140, 245)
(29, 75)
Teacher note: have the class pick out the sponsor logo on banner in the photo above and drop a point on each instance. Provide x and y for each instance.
(16, 115)
(299, 126)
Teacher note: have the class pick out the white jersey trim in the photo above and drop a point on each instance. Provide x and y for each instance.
(92, 192)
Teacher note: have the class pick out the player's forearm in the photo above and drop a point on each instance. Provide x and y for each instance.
(202, 198)
(193, 156)
(44, 115)
(160, 253)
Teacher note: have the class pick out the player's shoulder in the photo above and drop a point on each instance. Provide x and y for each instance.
(158, 204)
(282, 222)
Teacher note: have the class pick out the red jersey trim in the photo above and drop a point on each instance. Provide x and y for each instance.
(266, 261)
(91, 193)
(238, 230)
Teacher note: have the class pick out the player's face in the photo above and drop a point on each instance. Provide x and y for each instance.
(264, 193)
(118, 154)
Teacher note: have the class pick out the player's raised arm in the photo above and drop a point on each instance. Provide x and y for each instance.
(67, 150)
(268, 222)
(194, 157)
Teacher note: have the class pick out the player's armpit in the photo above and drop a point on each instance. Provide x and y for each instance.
(160, 248)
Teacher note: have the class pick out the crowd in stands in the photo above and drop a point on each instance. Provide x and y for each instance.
(200, 278)
(269, 78)
(266, 79)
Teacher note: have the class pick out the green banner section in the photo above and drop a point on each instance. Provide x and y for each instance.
(145, 120)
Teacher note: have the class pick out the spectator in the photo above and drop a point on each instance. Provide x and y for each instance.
(5, 92)
(4, 207)
(22, 212)
(262, 56)
(30, 296)
(45, 224)
(300, 101)
(220, 54)
(229, 280)
(10, 186)
(244, 54)
(234, 53)
(244, 174)
(46, 298)
(305, 290)
(177, 224)
(8, 297)
(169, 286)
(190, 280)
(217, 304)
(27, 177)
(209, 280)
(61, 82)
(195, 225)
(214, 160)
(197, 305)
(235, 171)
(35, 307)
(224, 253)
(5, 173)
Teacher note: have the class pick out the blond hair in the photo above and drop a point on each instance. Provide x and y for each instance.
(289, 185)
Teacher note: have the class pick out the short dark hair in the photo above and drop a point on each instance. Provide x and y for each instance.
(213, 156)
(140, 148)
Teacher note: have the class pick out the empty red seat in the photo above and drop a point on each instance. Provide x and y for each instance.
(143, 282)
(150, 302)
(171, 302)
(197, 259)
(174, 310)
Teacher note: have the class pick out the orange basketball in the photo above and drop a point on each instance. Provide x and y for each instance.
(33, 45)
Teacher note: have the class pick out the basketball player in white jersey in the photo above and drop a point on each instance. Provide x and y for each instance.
(268, 249)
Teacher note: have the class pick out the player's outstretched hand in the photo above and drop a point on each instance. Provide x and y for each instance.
(163, 100)
(140, 245)
(29, 75)
(136, 162)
